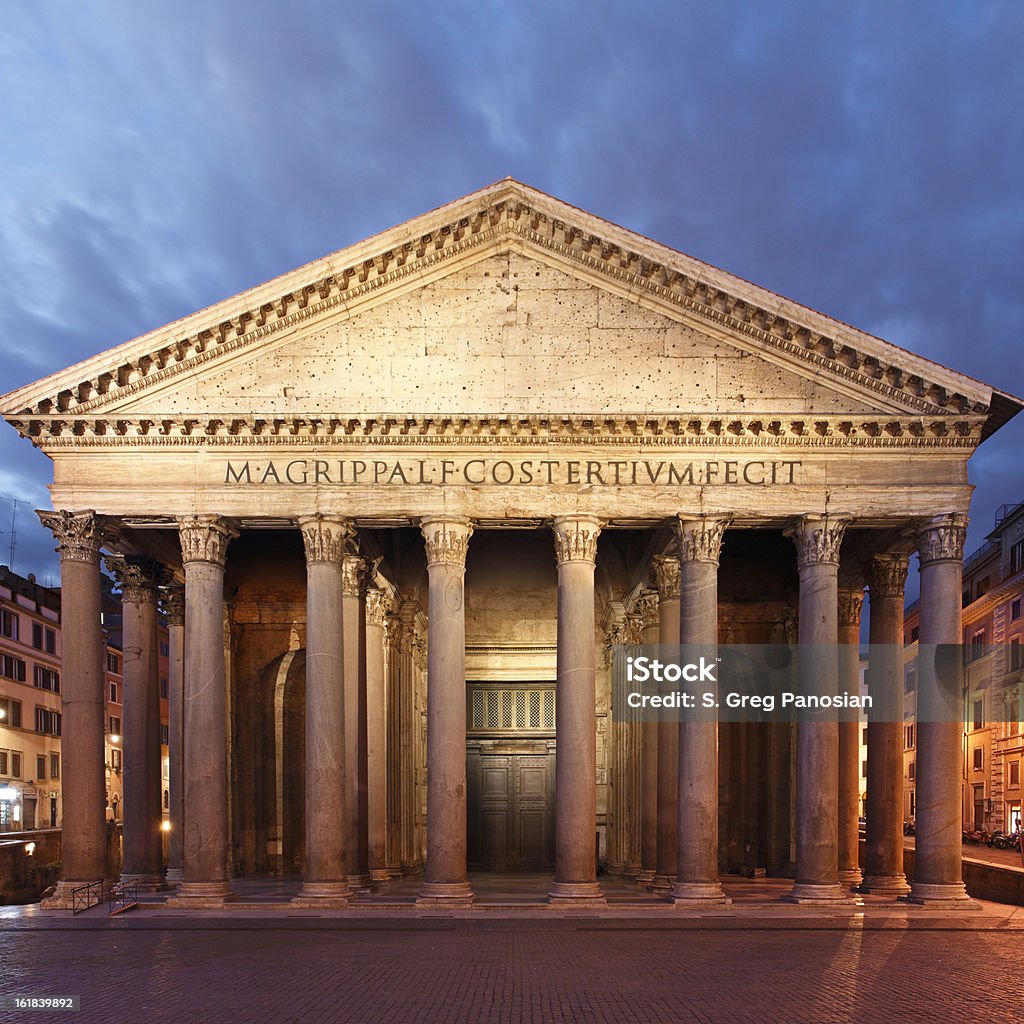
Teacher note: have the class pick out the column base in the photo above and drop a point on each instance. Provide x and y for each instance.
(175, 876)
(662, 884)
(940, 896)
(62, 898)
(145, 883)
(323, 894)
(850, 876)
(631, 871)
(360, 885)
(885, 885)
(202, 894)
(445, 894)
(645, 878)
(379, 876)
(576, 894)
(699, 894)
(819, 894)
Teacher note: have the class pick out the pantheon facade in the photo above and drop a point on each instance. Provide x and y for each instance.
(398, 505)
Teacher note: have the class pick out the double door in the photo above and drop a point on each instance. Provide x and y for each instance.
(511, 806)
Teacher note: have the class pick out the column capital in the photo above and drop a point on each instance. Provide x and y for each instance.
(79, 535)
(941, 539)
(851, 602)
(173, 600)
(205, 538)
(818, 538)
(666, 576)
(576, 538)
(647, 607)
(140, 579)
(378, 605)
(353, 575)
(325, 537)
(700, 537)
(887, 576)
(447, 539)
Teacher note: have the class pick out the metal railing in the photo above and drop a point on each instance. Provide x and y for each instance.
(123, 896)
(85, 896)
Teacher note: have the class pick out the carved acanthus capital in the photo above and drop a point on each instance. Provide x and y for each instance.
(205, 538)
(700, 537)
(378, 605)
(666, 576)
(173, 601)
(353, 575)
(139, 579)
(447, 540)
(888, 575)
(576, 538)
(942, 539)
(818, 538)
(79, 535)
(647, 607)
(851, 602)
(325, 537)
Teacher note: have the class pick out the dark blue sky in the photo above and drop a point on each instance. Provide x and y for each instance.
(865, 159)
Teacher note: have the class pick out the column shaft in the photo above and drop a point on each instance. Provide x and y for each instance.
(376, 737)
(575, 712)
(666, 570)
(204, 543)
(649, 765)
(84, 856)
(818, 539)
(174, 607)
(850, 603)
(445, 883)
(697, 879)
(883, 847)
(938, 868)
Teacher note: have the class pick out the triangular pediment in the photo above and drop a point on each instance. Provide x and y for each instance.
(506, 303)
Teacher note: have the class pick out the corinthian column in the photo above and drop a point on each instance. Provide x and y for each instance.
(204, 548)
(174, 611)
(938, 869)
(818, 539)
(883, 848)
(84, 857)
(666, 575)
(376, 736)
(445, 885)
(697, 883)
(353, 605)
(850, 603)
(575, 881)
(648, 603)
(324, 880)
(139, 580)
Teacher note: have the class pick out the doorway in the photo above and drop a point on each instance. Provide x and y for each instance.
(510, 775)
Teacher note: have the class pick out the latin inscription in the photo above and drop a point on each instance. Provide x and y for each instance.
(511, 472)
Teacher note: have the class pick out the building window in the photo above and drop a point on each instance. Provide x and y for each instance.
(54, 766)
(8, 624)
(1015, 774)
(15, 764)
(113, 693)
(981, 587)
(165, 649)
(910, 680)
(115, 759)
(911, 769)
(863, 769)
(965, 598)
(115, 725)
(1014, 652)
(47, 721)
(864, 736)
(164, 735)
(167, 799)
(44, 639)
(12, 668)
(10, 712)
(163, 687)
(908, 737)
(47, 679)
(1015, 610)
(1016, 556)
(113, 663)
(977, 645)
(915, 632)
(978, 716)
(4, 763)
(40, 767)
(978, 754)
(913, 804)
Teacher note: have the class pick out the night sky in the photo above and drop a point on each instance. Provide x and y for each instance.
(864, 159)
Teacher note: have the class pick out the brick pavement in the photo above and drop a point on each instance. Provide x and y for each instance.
(212, 969)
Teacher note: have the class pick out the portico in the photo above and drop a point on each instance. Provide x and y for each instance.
(415, 492)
